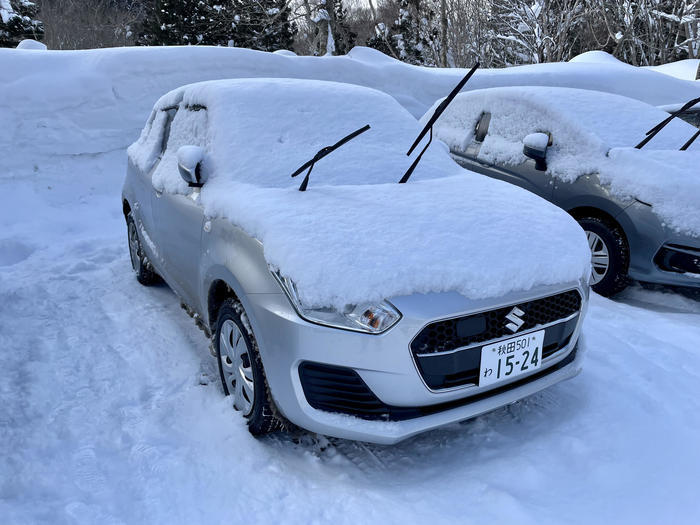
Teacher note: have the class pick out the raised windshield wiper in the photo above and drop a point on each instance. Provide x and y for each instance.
(692, 139)
(661, 125)
(429, 126)
(322, 153)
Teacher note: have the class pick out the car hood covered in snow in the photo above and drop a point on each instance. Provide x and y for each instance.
(592, 132)
(356, 234)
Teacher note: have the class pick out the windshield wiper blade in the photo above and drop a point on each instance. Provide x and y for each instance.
(322, 153)
(661, 125)
(429, 126)
(692, 139)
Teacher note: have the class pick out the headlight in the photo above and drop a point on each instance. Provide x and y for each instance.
(368, 317)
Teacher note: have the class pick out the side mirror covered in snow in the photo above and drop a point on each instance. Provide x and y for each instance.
(189, 164)
(535, 147)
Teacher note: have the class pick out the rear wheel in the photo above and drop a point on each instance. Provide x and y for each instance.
(609, 255)
(241, 370)
(142, 268)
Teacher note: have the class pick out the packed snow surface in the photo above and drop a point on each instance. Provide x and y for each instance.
(454, 233)
(111, 409)
(97, 100)
(592, 133)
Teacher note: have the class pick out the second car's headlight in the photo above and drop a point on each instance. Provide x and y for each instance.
(372, 318)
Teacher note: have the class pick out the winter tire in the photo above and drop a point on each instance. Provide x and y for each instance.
(142, 268)
(241, 370)
(609, 255)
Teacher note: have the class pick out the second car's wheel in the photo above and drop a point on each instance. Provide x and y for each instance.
(241, 370)
(609, 255)
(142, 268)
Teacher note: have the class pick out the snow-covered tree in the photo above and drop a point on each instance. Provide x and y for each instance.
(178, 22)
(18, 20)
(533, 31)
(411, 37)
(264, 25)
(648, 32)
(325, 28)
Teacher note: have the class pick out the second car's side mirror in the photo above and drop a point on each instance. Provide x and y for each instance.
(535, 147)
(189, 164)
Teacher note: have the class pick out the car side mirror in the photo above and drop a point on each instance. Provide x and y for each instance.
(189, 164)
(535, 147)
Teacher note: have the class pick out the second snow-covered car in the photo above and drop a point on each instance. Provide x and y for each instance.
(640, 207)
(358, 307)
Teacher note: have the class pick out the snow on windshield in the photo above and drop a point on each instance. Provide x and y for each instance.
(587, 128)
(356, 234)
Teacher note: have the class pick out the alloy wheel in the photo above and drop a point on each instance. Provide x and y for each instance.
(134, 246)
(600, 258)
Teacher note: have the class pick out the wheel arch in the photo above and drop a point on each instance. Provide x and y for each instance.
(219, 290)
(126, 207)
(581, 212)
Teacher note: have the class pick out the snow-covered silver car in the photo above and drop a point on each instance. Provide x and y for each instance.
(576, 148)
(359, 307)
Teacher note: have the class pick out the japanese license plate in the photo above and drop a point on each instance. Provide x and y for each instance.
(510, 358)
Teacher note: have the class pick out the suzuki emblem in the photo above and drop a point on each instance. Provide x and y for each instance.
(515, 316)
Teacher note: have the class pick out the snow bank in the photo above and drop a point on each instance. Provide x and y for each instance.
(30, 43)
(683, 69)
(93, 101)
(586, 127)
(357, 235)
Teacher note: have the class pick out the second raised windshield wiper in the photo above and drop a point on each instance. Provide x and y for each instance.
(322, 153)
(433, 119)
(661, 125)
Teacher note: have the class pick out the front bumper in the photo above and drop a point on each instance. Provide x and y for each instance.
(659, 254)
(387, 367)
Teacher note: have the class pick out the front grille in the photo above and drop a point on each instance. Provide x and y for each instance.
(445, 370)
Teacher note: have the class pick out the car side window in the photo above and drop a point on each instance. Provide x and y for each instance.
(186, 127)
(170, 115)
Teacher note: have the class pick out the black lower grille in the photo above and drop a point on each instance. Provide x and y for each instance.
(681, 259)
(313, 375)
(339, 389)
(441, 367)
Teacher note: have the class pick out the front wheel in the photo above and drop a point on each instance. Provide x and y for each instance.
(609, 255)
(241, 370)
(142, 268)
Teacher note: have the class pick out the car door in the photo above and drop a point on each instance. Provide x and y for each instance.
(140, 172)
(179, 217)
(524, 175)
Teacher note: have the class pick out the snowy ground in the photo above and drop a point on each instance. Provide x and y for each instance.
(110, 407)
(104, 417)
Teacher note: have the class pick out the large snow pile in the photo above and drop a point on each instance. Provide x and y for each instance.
(455, 233)
(687, 69)
(684, 69)
(97, 100)
(587, 128)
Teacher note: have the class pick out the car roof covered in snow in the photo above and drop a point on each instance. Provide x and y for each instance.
(259, 131)
(571, 115)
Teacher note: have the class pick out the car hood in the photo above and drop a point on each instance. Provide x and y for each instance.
(668, 180)
(351, 244)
